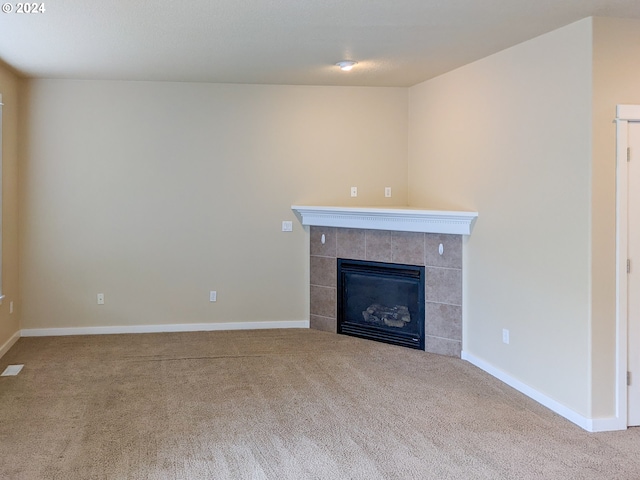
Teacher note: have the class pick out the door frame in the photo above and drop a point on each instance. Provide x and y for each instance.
(624, 115)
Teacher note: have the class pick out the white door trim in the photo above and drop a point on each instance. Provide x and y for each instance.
(624, 115)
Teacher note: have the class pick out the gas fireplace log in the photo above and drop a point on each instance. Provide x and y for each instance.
(396, 316)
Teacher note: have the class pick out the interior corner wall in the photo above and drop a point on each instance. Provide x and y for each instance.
(616, 80)
(509, 136)
(9, 88)
(156, 193)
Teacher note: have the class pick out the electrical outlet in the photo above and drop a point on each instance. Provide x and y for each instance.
(505, 336)
(213, 296)
(101, 299)
(287, 226)
(11, 306)
(387, 192)
(354, 191)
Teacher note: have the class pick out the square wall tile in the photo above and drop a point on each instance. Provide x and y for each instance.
(378, 246)
(451, 250)
(325, 324)
(351, 243)
(323, 301)
(443, 285)
(407, 248)
(326, 249)
(442, 346)
(445, 321)
(323, 271)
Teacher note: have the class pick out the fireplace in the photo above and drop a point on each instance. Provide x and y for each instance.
(440, 254)
(381, 301)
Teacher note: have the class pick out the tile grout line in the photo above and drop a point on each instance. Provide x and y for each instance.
(442, 338)
(443, 303)
(443, 268)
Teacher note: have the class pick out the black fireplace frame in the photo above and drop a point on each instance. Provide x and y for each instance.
(414, 273)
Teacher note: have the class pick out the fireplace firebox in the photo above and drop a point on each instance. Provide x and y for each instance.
(381, 301)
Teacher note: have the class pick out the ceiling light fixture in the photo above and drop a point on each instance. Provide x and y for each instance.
(346, 65)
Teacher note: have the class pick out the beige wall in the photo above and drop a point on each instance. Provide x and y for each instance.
(510, 137)
(156, 193)
(616, 80)
(9, 88)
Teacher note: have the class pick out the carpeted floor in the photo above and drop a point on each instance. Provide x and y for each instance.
(279, 404)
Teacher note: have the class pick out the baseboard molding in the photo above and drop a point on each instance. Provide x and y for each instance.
(588, 424)
(610, 424)
(9, 343)
(178, 327)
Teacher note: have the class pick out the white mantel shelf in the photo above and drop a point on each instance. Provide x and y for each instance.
(403, 219)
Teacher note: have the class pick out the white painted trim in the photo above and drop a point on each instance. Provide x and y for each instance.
(185, 327)
(611, 424)
(622, 142)
(630, 113)
(624, 115)
(9, 343)
(589, 424)
(394, 219)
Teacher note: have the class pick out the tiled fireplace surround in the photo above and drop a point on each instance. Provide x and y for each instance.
(443, 276)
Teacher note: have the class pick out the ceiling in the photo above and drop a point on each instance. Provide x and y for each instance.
(396, 42)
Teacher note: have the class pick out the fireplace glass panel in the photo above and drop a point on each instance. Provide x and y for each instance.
(381, 301)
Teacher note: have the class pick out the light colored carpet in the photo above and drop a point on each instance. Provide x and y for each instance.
(279, 404)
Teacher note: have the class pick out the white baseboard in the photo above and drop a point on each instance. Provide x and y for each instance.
(588, 424)
(177, 327)
(610, 424)
(9, 343)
